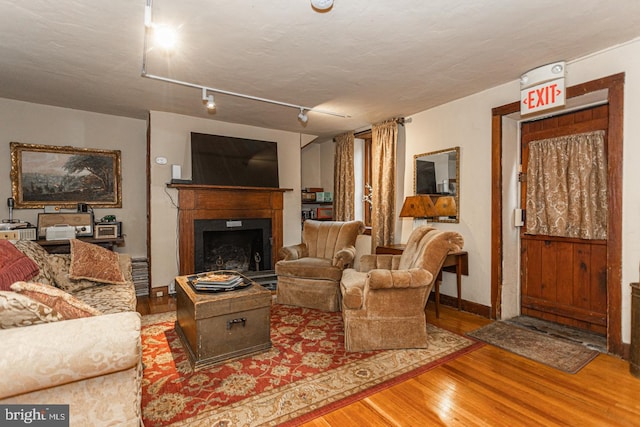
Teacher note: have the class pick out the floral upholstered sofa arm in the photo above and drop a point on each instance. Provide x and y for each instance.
(94, 362)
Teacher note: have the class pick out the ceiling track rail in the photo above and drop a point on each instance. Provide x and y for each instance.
(148, 27)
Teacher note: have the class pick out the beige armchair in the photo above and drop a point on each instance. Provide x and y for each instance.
(383, 304)
(309, 273)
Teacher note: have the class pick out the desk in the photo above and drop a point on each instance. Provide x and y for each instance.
(64, 247)
(455, 262)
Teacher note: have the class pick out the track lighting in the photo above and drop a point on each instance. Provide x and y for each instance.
(210, 104)
(303, 116)
(165, 37)
(151, 27)
(208, 100)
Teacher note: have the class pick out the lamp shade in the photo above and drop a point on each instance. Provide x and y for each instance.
(418, 206)
(446, 206)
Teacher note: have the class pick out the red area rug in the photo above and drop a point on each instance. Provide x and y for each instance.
(305, 374)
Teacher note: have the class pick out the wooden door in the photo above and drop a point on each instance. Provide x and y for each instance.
(564, 280)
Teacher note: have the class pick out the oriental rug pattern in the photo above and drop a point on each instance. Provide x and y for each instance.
(305, 374)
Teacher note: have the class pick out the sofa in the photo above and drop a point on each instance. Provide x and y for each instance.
(70, 333)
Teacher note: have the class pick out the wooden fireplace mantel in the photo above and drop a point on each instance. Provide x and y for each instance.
(225, 202)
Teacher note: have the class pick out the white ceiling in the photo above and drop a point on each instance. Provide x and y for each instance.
(370, 59)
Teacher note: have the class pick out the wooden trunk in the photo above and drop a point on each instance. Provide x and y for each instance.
(216, 327)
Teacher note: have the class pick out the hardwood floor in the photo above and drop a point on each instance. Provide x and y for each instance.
(489, 387)
(147, 305)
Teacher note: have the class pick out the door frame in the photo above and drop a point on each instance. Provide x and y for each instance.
(615, 97)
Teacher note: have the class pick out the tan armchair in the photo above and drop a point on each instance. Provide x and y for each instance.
(309, 273)
(383, 304)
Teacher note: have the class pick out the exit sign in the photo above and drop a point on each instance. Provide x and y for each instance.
(542, 97)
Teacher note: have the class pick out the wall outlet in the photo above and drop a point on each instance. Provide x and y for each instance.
(159, 294)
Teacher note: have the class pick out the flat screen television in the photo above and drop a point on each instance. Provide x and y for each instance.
(425, 177)
(238, 162)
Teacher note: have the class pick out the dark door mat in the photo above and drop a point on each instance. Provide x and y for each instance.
(554, 352)
(578, 336)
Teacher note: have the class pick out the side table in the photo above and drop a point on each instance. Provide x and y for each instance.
(455, 262)
(63, 246)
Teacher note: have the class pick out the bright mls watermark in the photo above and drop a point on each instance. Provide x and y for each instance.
(34, 415)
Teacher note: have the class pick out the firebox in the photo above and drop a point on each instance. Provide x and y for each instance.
(234, 244)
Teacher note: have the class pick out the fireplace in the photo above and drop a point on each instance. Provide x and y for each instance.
(208, 202)
(238, 244)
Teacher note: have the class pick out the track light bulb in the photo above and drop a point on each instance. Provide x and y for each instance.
(208, 100)
(303, 116)
(165, 37)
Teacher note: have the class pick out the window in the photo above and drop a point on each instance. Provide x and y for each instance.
(362, 173)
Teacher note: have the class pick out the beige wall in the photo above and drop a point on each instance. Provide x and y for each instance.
(327, 153)
(467, 123)
(41, 124)
(310, 166)
(170, 134)
(317, 165)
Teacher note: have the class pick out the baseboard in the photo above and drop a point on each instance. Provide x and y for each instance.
(468, 306)
(626, 351)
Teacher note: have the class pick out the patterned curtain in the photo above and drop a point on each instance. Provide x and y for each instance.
(383, 176)
(343, 178)
(567, 186)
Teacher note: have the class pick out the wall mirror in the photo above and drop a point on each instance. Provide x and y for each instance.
(437, 174)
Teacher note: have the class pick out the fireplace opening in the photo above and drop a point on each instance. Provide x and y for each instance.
(243, 245)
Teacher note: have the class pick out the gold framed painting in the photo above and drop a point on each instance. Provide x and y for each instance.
(64, 176)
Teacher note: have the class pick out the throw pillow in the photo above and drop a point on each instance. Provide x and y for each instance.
(19, 310)
(60, 265)
(93, 262)
(126, 267)
(14, 265)
(69, 306)
(39, 255)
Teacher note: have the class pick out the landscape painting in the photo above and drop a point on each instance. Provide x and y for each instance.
(64, 176)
